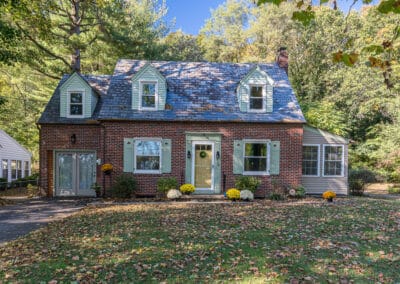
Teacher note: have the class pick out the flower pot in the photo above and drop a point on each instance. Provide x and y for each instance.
(330, 199)
(108, 172)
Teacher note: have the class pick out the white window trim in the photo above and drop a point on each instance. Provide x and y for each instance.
(136, 171)
(319, 160)
(253, 141)
(323, 160)
(264, 98)
(69, 115)
(141, 82)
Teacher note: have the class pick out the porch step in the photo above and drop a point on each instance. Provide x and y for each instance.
(204, 197)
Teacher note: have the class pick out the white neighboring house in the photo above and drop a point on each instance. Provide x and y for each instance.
(15, 159)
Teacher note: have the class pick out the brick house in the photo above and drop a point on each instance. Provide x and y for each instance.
(203, 123)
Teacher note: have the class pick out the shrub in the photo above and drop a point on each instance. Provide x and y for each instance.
(276, 196)
(246, 195)
(3, 183)
(124, 187)
(359, 179)
(247, 182)
(174, 194)
(298, 191)
(165, 184)
(233, 194)
(329, 194)
(187, 188)
(395, 189)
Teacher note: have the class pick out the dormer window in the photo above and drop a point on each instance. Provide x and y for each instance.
(257, 98)
(148, 95)
(75, 104)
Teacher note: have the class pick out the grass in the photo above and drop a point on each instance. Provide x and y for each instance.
(353, 239)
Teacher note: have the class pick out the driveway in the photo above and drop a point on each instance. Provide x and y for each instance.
(27, 215)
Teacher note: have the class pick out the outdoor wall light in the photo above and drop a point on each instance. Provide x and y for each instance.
(73, 138)
(189, 155)
(217, 155)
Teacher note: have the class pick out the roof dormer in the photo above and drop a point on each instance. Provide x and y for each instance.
(149, 89)
(255, 92)
(77, 98)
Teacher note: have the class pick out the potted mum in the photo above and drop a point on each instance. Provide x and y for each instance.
(187, 188)
(329, 195)
(233, 194)
(107, 169)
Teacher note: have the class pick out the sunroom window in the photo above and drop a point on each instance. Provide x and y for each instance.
(310, 160)
(333, 160)
(255, 157)
(147, 156)
(148, 95)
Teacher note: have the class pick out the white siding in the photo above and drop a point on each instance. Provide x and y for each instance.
(318, 185)
(12, 150)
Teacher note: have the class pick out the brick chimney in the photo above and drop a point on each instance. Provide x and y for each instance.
(282, 58)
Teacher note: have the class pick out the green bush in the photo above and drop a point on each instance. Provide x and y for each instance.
(395, 189)
(300, 191)
(247, 182)
(276, 196)
(3, 183)
(124, 187)
(358, 180)
(165, 184)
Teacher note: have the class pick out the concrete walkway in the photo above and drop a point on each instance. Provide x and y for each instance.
(30, 214)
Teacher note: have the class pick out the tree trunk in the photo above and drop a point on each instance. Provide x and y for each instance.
(75, 30)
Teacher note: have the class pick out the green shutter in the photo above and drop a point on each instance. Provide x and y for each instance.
(135, 94)
(275, 157)
(188, 169)
(269, 99)
(238, 157)
(128, 154)
(166, 156)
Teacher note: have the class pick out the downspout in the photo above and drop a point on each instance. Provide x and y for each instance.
(104, 157)
(40, 162)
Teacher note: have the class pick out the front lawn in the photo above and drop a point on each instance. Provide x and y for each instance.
(354, 239)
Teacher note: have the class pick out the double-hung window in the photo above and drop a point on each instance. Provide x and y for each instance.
(255, 156)
(26, 169)
(333, 160)
(310, 160)
(147, 156)
(4, 168)
(13, 169)
(75, 104)
(19, 169)
(148, 95)
(257, 99)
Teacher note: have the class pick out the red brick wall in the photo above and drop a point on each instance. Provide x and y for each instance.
(289, 135)
(57, 137)
(90, 137)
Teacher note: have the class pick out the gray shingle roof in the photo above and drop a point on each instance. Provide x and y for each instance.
(196, 91)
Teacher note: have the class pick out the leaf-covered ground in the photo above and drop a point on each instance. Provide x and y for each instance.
(352, 240)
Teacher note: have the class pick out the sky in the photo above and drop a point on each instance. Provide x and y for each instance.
(190, 15)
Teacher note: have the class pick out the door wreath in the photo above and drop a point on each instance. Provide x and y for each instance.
(203, 154)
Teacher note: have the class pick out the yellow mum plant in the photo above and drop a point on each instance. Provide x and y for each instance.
(187, 188)
(233, 194)
(106, 167)
(329, 194)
